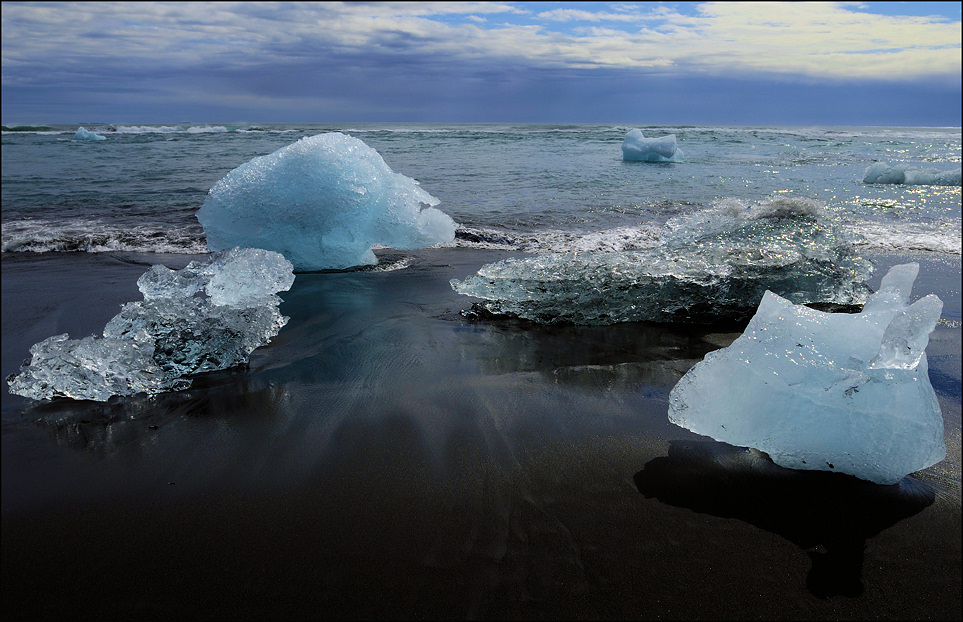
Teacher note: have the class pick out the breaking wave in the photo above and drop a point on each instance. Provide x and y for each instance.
(39, 236)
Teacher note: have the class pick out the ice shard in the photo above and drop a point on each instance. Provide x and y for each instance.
(710, 265)
(322, 202)
(204, 317)
(839, 392)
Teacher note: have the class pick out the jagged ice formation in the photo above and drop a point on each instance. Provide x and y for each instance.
(204, 317)
(711, 265)
(825, 391)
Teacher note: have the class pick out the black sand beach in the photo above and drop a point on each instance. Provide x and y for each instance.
(385, 457)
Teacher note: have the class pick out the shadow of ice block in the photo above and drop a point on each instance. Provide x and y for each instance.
(825, 391)
(830, 515)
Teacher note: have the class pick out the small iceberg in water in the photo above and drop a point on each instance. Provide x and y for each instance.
(85, 134)
(883, 173)
(839, 392)
(322, 202)
(709, 266)
(637, 148)
(205, 317)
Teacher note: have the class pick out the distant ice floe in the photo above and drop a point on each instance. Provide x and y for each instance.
(711, 265)
(841, 392)
(883, 173)
(204, 317)
(85, 134)
(637, 148)
(322, 202)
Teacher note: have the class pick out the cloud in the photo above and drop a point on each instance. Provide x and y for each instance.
(264, 52)
(805, 39)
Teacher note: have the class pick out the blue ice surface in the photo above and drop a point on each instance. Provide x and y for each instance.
(885, 173)
(637, 148)
(322, 202)
(842, 392)
(85, 134)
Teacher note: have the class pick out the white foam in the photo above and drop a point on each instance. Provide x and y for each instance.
(944, 238)
(95, 236)
(638, 237)
(206, 129)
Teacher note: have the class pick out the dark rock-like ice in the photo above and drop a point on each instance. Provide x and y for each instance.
(204, 317)
(322, 202)
(637, 148)
(711, 265)
(839, 392)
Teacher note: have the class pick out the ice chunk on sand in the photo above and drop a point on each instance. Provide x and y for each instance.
(322, 202)
(85, 134)
(825, 391)
(637, 148)
(711, 265)
(883, 173)
(204, 317)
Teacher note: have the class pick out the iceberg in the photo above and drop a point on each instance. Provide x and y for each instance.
(205, 317)
(322, 202)
(85, 134)
(637, 148)
(839, 392)
(709, 266)
(883, 173)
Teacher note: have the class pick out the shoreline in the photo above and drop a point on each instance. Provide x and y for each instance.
(384, 457)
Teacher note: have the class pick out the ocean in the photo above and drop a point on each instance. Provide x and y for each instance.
(389, 456)
(535, 188)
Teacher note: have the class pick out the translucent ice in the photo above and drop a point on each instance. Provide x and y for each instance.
(637, 148)
(204, 317)
(85, 134)
(711, 265)
(322, 202)
(882, 173)
(825, 391)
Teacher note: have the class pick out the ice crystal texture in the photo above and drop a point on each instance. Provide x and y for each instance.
(711, 265)
(825, 391)
(204, 317)
(322, 202)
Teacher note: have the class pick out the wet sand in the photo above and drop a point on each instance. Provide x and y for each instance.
(385, 457)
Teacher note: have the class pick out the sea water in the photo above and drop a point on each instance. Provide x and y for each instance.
(532, 188)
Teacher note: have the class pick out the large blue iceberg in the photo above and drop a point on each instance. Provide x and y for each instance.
(883, 173)
(322, 202)
(204, 317)
(85, 134)
(637, 148)
(711, 265)
(839, 392)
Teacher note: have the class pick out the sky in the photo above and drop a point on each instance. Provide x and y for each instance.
(729, 63)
